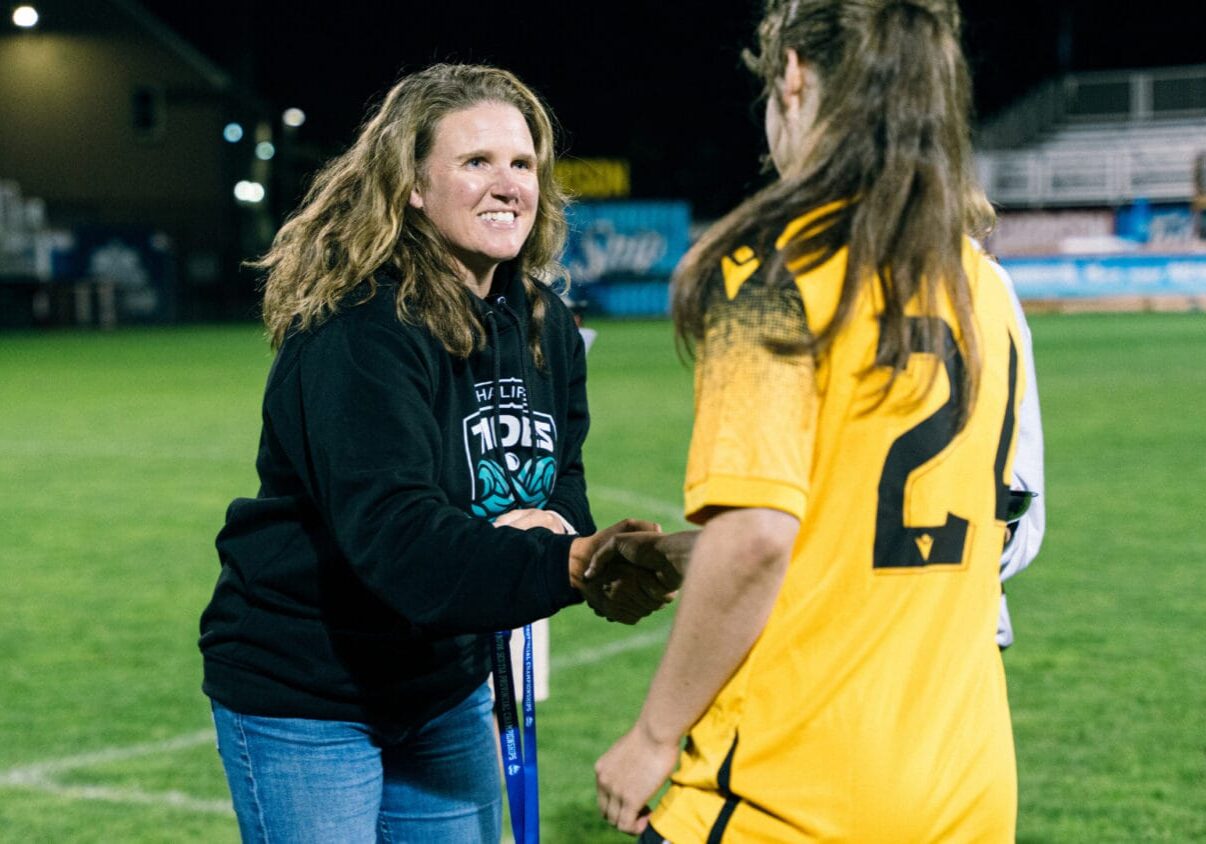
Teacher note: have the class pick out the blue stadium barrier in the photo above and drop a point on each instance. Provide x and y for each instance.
(1081, 276)
(630, 298)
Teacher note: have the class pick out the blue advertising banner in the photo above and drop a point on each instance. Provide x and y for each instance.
(1168, 227)
(1107, 275)
(629, 239)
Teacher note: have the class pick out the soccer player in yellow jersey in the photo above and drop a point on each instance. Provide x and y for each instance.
(833, 665)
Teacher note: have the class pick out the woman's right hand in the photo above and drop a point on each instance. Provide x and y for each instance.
(627, 598)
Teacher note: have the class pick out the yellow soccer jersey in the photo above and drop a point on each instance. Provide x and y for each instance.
(872, 708)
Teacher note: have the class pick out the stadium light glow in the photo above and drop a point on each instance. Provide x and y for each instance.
(25, 17)
(264, 150)
(293, 117)
(233, 132)
(251, 192)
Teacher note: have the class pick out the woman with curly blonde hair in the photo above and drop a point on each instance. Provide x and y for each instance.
(360, 215)
(421, 480)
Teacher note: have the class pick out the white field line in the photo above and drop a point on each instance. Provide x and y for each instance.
(644, 507)
(40, 776)
(173, 799)
(589, 656)
(45, 771)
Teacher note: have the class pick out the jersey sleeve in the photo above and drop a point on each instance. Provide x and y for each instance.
(755, 402)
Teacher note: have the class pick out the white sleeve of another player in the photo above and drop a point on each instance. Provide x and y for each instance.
(1027, 537)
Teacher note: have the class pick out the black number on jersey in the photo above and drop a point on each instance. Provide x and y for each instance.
(901, 545)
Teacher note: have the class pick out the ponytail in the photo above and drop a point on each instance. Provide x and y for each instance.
(891, 146)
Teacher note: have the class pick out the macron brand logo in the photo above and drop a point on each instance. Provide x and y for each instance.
(508, 450)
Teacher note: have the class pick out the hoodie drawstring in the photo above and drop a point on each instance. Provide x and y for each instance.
(523, 373)
(526, 404)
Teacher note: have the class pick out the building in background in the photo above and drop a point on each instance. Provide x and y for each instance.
(120, 149)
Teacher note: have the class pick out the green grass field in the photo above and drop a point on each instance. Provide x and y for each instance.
(119, 453)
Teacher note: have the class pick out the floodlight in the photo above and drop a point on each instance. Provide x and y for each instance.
(251, 192)
(25, 17)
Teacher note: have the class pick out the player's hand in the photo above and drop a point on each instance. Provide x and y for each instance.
(627, 594)
(636, 573)
(584, 548)
(526, 519)
(663, 555)
(629, 774)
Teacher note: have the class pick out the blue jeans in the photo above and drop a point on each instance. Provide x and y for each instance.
(302, 780)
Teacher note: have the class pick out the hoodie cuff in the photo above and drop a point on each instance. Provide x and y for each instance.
(557, 582)
(565, 525)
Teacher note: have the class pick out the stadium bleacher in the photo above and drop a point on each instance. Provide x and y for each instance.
(1098, 179)
(1098, 139)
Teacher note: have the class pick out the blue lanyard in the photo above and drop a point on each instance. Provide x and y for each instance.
(519, 758)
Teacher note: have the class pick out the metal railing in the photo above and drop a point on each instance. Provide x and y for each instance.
(1098, 139)
(1107, 96)
(1088, 177)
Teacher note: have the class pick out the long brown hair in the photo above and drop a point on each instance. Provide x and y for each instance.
(889, 151)
(355, 217)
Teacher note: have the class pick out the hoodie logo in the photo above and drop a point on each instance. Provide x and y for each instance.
(509, 451)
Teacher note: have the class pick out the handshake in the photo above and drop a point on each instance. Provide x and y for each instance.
(630, 569)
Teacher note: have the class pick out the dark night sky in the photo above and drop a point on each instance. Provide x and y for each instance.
(658, 83)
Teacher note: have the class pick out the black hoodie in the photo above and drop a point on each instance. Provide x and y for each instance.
(362, 581)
